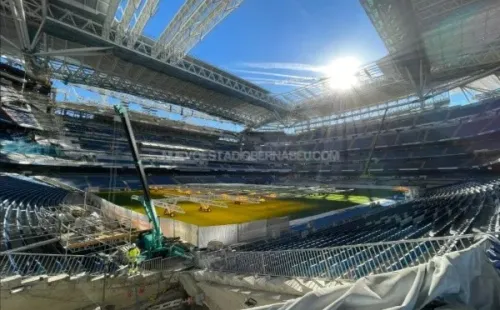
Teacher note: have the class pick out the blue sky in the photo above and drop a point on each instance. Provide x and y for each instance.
(294, 33)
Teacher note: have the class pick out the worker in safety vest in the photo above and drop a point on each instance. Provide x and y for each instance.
(133, 257)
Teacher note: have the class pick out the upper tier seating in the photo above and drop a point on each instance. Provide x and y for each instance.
(470, 128)
(466, 110)
(362, 143)
(386, 139)
(413, 136)
(431, 117)
(400, 123)
(487, 144)
(494, 125)
(441, 133)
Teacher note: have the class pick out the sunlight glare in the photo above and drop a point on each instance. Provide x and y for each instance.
(341, 73)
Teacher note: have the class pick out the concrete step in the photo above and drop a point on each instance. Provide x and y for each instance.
(10, 282)
(60, 277)
(19, 283)
(34, 279)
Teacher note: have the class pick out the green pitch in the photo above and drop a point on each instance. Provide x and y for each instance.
(295, 208)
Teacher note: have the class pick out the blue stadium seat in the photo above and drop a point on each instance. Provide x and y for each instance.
(464, 111)
(362, 143)
(413, 136)
(454, 210)
(399, 123)
(20, 200)
(441, 133)
(431, 117)
(470, 128)
(493, 126)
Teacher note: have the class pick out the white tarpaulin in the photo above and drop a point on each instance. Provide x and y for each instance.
(187, 232)
(277, 226)
(463, 278)
(252, 230)
(227, 234)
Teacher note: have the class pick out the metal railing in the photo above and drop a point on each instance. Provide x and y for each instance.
(25, 264)
(28, 265)
(159, 264)
(343, 262)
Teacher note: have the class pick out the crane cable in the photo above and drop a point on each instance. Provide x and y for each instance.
(113, 169)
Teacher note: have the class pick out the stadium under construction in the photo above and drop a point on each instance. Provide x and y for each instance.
(383, 193)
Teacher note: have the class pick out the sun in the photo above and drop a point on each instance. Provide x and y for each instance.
(341, 73)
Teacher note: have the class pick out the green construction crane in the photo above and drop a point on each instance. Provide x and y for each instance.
(153, 243)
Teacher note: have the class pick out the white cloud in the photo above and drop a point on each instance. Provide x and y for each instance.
(296, 77)
(264, 81)
(284, 66)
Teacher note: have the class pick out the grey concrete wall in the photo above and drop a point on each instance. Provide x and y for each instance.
(85, 294)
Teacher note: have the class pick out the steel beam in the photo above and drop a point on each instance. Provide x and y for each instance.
(430, 10)
(176, 25)
(149, 9)
(432, 96)
(463, 81)
(17, 10)
(194, 20)
(84, 51)
(110, 16)
(37, 36)
(4, 39)
(84, 5)
(31, 246)
(321, 92)
(79, 23)
(150, 104)
(72, 73)
(123, 25)
(405, 105)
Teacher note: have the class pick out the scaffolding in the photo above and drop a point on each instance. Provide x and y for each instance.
(84, 228)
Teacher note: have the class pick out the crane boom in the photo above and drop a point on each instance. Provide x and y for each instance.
(154, 241)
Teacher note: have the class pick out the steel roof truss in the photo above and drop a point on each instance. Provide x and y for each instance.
(80, 23)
